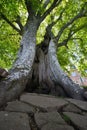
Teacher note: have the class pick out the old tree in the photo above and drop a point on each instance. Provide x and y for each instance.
(36, 67)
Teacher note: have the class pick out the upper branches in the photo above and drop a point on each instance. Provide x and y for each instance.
(54, 4)
(69, 25)
(18, 21)
(33, 7)
(49, 27)
(46, 3)
(82, 13)
(28, 4)
(70, 34)
(20, 29)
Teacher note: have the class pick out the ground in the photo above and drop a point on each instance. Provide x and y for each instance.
(43, 112)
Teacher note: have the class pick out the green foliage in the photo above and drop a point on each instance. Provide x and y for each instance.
(9, 44)
(74, 55)
(66, 118)
(12, 9)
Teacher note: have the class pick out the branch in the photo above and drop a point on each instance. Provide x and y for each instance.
(71, 33)
(65, 41)
(48, 33)
(49, 27)
(46, 3)
(10, 23)
(54, 4)
(29, 7)
(18, 21)
(82, 13)
(59, 18)
(77, 38)
(79, 28)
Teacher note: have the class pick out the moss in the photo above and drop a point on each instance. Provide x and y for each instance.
(66, 118)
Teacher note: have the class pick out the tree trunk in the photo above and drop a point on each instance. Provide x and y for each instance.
(16, 81)
(48, 77)
(38, 69)
(59, 77)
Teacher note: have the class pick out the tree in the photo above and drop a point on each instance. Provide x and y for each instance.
(38, 65)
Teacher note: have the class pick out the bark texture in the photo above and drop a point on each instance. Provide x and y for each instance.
(16, 81)
(37, 69)
(48, 77)
(58, 76)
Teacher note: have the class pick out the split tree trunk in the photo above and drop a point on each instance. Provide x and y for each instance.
(49, 78)
(38, 67)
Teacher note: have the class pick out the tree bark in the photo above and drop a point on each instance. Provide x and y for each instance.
(59, 77)
(16, 81)
(49, 78)
(38, 68)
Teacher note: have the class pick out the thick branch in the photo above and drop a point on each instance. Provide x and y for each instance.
(54, 4)
(79, 15)
(29, 7)
(10, 23)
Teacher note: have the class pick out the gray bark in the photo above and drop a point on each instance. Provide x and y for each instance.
(16, 81)
(48, 72)
(59, 77)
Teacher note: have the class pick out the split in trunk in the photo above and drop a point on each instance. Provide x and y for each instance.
(48, 77)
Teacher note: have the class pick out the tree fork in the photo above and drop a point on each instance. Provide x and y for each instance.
(48, 77)
(41, 81)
